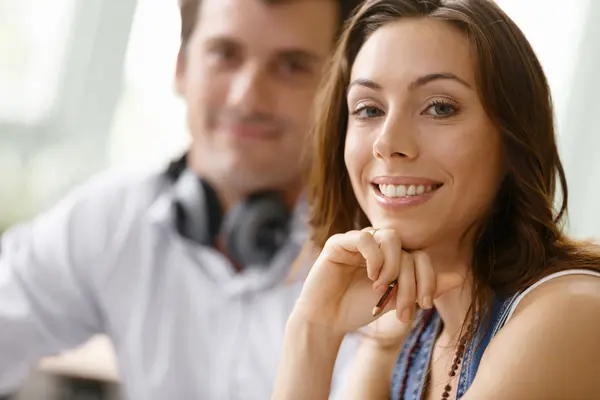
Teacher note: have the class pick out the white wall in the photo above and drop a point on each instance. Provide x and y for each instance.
(566, 38)
(581, 131)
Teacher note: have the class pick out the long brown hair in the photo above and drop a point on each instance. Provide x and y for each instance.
(520, 239)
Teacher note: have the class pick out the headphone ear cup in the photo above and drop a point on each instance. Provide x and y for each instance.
(256, 229)
(198, 211)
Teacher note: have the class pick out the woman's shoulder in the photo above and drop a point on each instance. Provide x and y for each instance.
(558, 295)
(559, 303)
(561, 290)
(550, 339)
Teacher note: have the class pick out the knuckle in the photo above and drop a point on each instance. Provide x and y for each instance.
(378, 258)
(425, 287)
(408, 287)
(391, 235)
(387, 234)
(333, 239)
(389, 274)
(407, 259)
(417, 255)
(405, 301)
(420, 257)
(364, 236)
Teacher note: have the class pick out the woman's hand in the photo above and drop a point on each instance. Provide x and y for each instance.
(386, 333)
(352, 273)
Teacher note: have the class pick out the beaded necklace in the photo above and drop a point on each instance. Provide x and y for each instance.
(412, 353)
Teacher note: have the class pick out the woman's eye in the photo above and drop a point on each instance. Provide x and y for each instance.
(441, 109)
(366, 112)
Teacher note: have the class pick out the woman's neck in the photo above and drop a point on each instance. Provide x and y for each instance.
(453, 305)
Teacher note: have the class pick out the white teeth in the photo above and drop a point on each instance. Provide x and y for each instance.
(400, 190)
(405, 190)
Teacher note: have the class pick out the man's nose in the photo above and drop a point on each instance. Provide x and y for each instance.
(251, 91)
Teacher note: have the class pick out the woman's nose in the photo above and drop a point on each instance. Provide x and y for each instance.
(396, 139)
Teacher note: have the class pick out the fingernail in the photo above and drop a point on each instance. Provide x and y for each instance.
(406, 315)
(427, 302)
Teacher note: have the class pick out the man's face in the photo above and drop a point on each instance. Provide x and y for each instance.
(249, 76)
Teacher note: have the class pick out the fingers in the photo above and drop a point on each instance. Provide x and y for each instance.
(391, 249)
(426, 279)
(381, 253)
(432, 284)
(371, 251)
(407, 289)
(381, 250)
(353, 249)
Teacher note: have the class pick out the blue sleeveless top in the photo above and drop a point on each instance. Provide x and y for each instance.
(415, 377)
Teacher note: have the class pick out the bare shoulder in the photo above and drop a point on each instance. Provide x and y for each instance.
(566, 289)
(549, 348)
(565, 297)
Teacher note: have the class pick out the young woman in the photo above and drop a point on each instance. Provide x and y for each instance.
(436, 167)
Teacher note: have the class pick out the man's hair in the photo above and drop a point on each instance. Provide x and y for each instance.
(189, 10)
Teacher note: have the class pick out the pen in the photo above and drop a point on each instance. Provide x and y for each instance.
(378, 309)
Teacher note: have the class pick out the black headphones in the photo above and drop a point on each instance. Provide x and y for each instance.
(254, 229)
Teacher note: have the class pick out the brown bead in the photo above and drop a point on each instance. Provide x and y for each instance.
(458, 358)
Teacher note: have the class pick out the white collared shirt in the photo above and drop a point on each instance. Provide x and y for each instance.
(184, 324)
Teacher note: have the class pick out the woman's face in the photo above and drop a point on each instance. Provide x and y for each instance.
(422, 155)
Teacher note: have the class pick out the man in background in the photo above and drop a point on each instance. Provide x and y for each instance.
(186, 270)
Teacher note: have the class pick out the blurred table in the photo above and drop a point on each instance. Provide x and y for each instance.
(87, 373)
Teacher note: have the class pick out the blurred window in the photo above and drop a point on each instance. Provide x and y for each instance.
(150, 124)
(33, 40)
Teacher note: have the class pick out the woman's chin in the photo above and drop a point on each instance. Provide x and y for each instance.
(414, 243)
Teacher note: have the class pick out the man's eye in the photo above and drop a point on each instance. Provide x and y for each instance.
(224, 54)
(294, 67)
